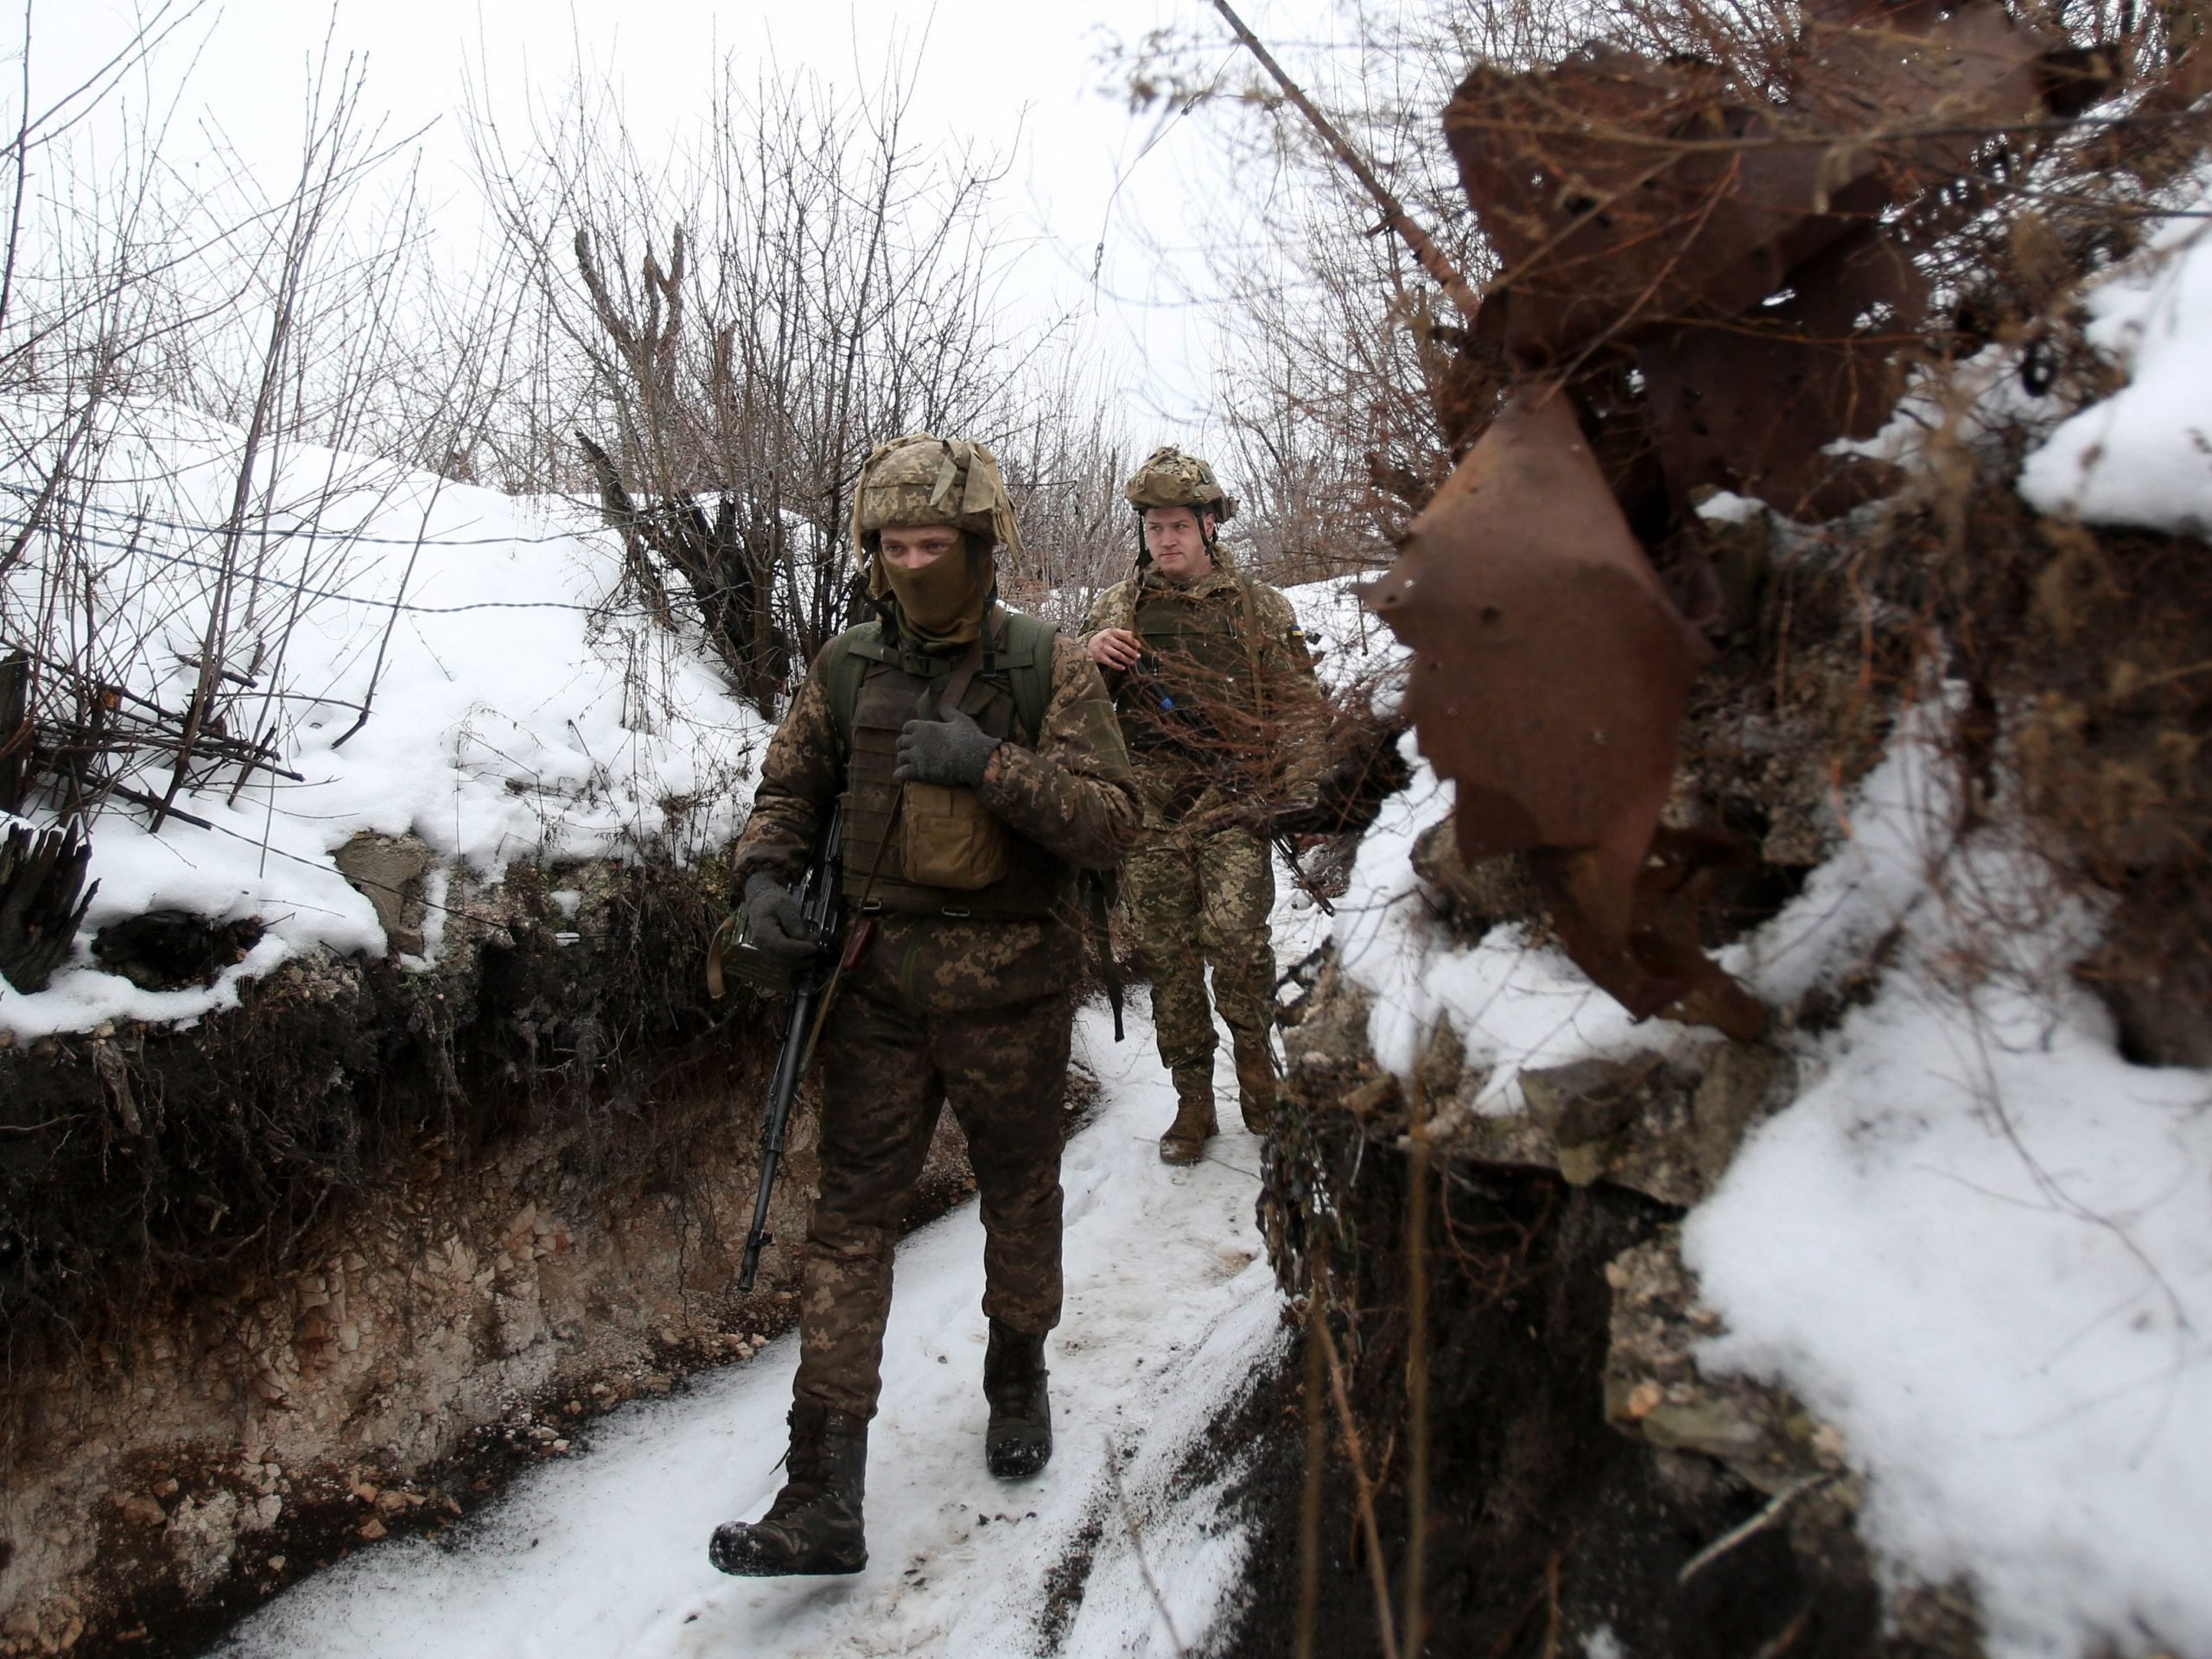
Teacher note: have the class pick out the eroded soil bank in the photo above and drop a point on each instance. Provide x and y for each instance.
(1545, 1526)
(329, 1265)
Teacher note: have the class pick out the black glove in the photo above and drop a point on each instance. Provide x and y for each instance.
(953, 751)
(773, 920)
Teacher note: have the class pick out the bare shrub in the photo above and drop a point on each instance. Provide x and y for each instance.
(734, 331)
(155, 615)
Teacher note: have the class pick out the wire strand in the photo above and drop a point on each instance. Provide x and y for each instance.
(408, 606)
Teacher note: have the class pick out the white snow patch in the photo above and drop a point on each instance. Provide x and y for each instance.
(1896, 840)
(511, 716)
(2142, 455)
(1981, 1244)
(1726, 507)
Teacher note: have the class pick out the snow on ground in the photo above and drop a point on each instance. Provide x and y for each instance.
(1981, 1245)
(1171, 1311)
(516, 714)
(2142, 455)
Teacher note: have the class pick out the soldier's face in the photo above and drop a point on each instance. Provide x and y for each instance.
(912, 547)
(1175, 538)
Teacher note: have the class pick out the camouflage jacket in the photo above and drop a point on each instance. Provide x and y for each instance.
(1268, 741)
(1072, 794)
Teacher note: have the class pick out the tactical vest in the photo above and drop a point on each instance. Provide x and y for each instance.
(1204, 692)
(875, 687)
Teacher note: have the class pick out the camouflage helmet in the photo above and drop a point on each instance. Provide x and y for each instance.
(922, 479)
(1171, 479)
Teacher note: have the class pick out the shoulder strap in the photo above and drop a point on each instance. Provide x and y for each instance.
(1025, 659)
(1028, 659)
(948, 693)
(843, 668)
(1247, 596)
(1251, 630)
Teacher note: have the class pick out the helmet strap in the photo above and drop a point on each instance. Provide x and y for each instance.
(1209, 532)
(990, 610)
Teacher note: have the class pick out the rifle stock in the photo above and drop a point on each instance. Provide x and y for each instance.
(811, 986)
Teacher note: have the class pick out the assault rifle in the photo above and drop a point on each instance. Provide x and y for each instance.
(810, 984)
(1165, 718)
(1288, 847)
(1284, 824)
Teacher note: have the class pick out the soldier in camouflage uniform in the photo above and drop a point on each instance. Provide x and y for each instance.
(1222, 715)
(963, 832)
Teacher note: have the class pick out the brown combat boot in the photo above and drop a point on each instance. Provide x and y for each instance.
(814, 1525)
(1256, 1086)
(1019, 1441)
(1195, 1122)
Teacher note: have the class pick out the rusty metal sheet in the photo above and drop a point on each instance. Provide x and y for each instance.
(1752, 405)
(1629, 919)
(1549, 668)
(1927, 79)
(1550, 672)
(1621, 192)
(1726, 235)
(1584, 181)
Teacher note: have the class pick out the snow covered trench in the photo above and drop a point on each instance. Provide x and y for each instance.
(1172, 1311)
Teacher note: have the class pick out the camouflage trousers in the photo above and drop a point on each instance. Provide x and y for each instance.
(886, 1069)
(1202, 901)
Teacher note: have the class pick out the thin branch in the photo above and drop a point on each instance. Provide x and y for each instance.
(1363, 1487)
(1422, 245)
(1136, 1546)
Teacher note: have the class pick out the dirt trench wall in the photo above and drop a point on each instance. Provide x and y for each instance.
(1587, 1488)
(360, 1247)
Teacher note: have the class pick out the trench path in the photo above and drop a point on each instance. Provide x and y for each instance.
(1170, 1308)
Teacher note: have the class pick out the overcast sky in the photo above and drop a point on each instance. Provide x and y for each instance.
(1023, 76)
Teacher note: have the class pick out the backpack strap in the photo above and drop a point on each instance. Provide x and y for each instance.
(850, 656)
(1251, 634)
(1027, 656)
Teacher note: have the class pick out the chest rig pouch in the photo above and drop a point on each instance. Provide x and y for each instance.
(946, 836)
(928, 848)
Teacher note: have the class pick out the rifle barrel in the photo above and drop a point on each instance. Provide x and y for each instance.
(1288, 848)
(781, 1094)
(818, 907)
